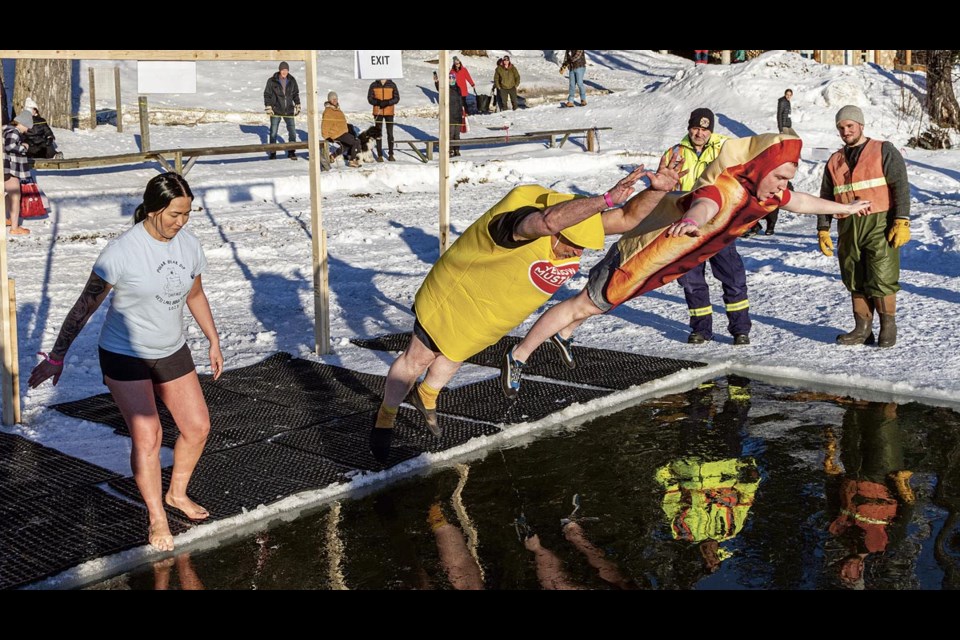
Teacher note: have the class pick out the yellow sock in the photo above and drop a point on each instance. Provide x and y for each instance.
(428, 395)
(386, 416)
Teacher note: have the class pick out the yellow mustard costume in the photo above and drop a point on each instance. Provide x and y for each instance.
(478, 291)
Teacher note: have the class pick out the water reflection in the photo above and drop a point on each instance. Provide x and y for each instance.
(873, 493)
(733, 485)
(182, 567)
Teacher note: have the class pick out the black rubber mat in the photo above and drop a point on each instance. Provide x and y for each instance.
(234, 480)
(595, 367)
(28, 470)
(235, 419)
(54, 532)
(485, 401)
(326, 391)
(346, 440)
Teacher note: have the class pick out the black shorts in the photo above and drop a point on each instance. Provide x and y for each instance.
(117, 366)
(424, 337)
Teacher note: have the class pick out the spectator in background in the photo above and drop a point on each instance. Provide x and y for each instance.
(455, 105)
(576, 61)
(463, 79)
(507, 80)
(784, 123)
(334, 127)
(281, 99)
(497, 94)
(739, 55)
(40, 136)
(700, 56)
(383, 95)
(3, 101)
(16, 167)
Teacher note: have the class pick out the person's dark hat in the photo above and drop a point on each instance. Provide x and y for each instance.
(284, 65)
(702, 118)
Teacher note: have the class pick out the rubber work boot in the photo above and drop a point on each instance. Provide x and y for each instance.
(429, 415)
(695, 338)
(863, 316)
(565, 346)
(887, 306)
(741, 338)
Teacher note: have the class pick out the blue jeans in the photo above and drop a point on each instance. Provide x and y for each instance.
(275, 126)
(576, 81)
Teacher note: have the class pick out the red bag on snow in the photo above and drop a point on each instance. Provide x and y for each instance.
(464, 127)
(31, 202)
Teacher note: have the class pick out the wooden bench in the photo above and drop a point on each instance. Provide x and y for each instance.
(167, 156)
(554, 138)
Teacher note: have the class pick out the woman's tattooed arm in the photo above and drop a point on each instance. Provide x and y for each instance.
(89, 301)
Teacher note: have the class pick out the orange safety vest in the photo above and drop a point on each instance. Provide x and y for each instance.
(866, 182)
(383, 92)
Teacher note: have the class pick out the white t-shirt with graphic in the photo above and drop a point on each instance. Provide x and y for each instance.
(150, 280)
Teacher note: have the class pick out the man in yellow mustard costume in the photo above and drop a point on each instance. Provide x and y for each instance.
(506, 264)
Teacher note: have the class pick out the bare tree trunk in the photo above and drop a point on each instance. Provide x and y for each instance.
(48, 82)
(941, 101)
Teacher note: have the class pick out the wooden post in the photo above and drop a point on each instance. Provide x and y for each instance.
(7, 374)
(14, 352)
(909, 52)
(144, 124)
(93, 100)
(321, 279)
(591, 140)
(725, 56)
(116, 90)
(444, 91)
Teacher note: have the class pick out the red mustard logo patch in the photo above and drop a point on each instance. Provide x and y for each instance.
(548, 277)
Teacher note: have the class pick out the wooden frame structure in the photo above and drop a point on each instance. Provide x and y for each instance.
(321, 292)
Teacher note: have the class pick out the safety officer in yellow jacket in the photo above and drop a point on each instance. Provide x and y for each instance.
(869, 246)
(699, 148)
(506, 264)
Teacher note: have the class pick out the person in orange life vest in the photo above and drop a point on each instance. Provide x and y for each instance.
(506, 264)
(874, 491)
(747, 181)
(868, 248)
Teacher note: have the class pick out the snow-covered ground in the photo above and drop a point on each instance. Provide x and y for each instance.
(381, 222)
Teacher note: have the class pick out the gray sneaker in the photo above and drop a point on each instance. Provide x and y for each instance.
(510, 373)
(429, 415)
(565, 346)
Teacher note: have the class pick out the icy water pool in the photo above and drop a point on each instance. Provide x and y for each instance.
(733, 485)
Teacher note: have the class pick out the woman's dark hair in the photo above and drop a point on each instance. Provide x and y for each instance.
(160, 191)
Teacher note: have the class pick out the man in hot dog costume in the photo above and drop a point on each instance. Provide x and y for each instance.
(503, 268)
(869, 247)
(747, 181)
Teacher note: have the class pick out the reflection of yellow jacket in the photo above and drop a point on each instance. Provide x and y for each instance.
(694, 164)
(478, 291)
(708, 500)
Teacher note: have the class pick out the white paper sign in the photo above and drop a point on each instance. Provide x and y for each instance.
(374, 65)
(166, 77)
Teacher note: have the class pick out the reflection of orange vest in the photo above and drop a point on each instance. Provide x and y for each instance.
(868, 506)
(866, 182)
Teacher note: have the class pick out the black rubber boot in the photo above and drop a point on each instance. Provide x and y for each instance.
(863, 330)
(888, 330)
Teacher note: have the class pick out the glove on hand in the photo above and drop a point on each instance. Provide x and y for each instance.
(296, 109)
(826, 244)
(268, 110)
(899, 234)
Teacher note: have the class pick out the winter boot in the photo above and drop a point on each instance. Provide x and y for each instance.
(379, 150)
(887, 306)
(863, 316)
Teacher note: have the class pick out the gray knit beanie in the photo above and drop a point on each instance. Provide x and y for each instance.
(850, 112)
